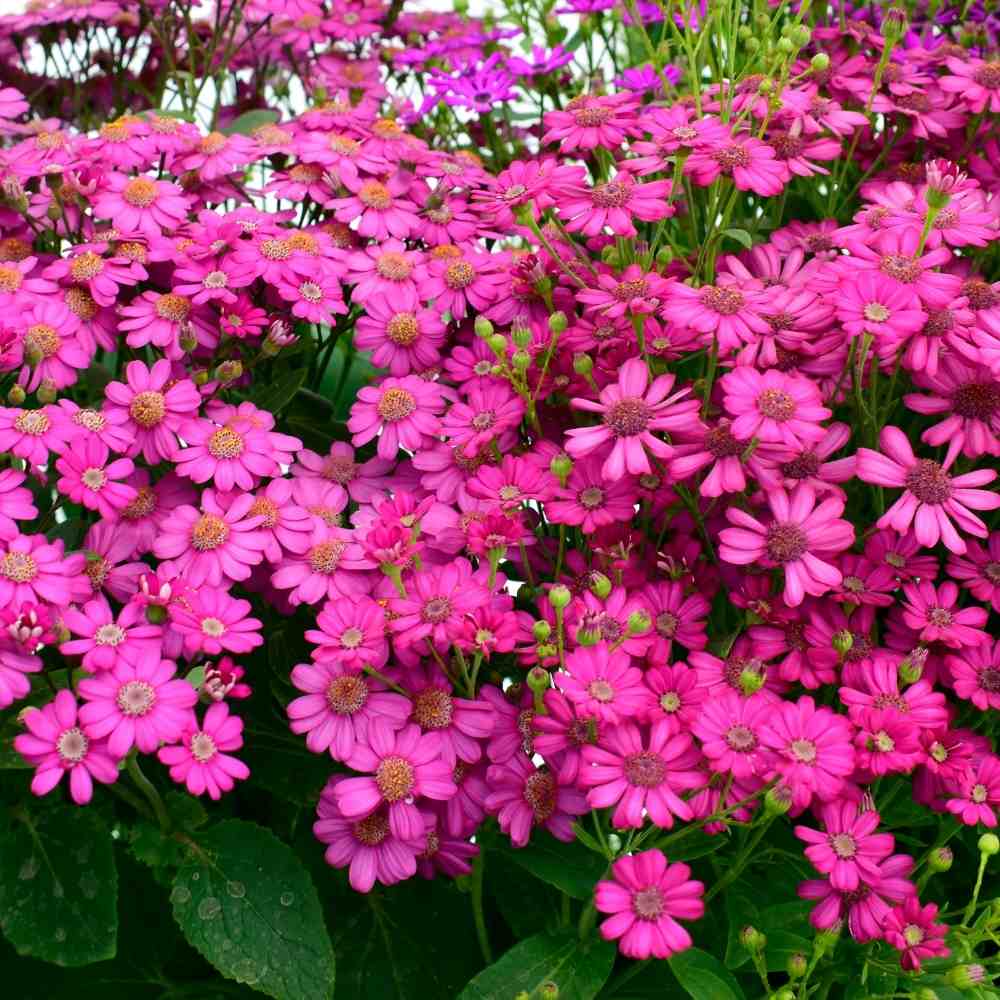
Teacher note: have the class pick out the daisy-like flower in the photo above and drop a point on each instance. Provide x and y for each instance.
(233, 454)
(873, 303)
(106, 640)
(15, 503)
(978, 795)
(847, 849)
(386, 272)
(53, 351)
(932, 498)
(613, 204)
(800, 533)
(640, 776)
(487, 414)
(592, 121)
(400, 412)
(436, 602)
(911, 929)
(751, 164)
(212, 544)
(730, 730)
(631, 410)
(677, 695)
(201, 758)
(975, 675)
(89, 478)
(470, 281)
(634, 292)
(142, 705)
(875, 685)
(215, 155)
(102, 276)
(676, 617)
(154, 407)
(211, 620)
(732, 314)
(591, 501)
(399, 766)
(210, 280)
(33, 434)
(976, 82)
(158, 319)
(315, 295)
(34, 570)
(351, 634)
(774, 407)
(57, 742)
(887, 742)
(367, 848)
(646, 897)
(523, 797)
(141, 204)
(602, 684)
(286, 526)
(380, 207)
(332, 566)
(338, 705)
(934, 613)
(811, 750)
(401, 340)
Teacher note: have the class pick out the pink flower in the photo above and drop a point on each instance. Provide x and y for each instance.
(979, 793)
(400, 412)
(978, 84)
(153, 412)
(216, 155)
(847, 849)
(35, 570)
(870, 302)
(459, 284)
(602, 684)
(887, 742)
(401, 339)
(774, 407)
(211, 620)
(286, 526)
(403, 766)
(488, 413)
(16, 662)
(141, 204)
(315, 294)
(752, 165)
(590, 501)
(333, 565)
(677, 617)
(591, 121)
(934, 614)
(613, 204)
(875, 684)
(677, 695)
(141, 705)
(56, 742)
(200, 760)
(910, 928)
(107, 641)
(212, 545)
(641, 776)
(631, 410)
(646, 898)
(811, 750)
(732, 314)
(338, 706)
(54, 351)
(799, 534)
(15, 503)
(435, 604)
(89, 478)
(975, 675)
(932, 498)
(730, 730)
(523, 797)
(33, 434)
(380, 206)
(352, 634)
(633, 292)
(367, 847)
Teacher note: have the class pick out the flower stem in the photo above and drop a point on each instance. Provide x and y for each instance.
(477, 907)
(149, 791)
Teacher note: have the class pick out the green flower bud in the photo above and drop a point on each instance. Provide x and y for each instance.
(925, 993)
(538, 680)
(664, 257)
(560, 467)
(785, 46)
(752, 939)
(820, 62)
(583, 364)
(559, 596)
(156, 614)
(796, 965)
(16, 395)
(558, 323)
(545, 650)
(521, 361)
(638, 623)
(940, 859)
(801, 35)
(498, 344)
(765, 86)
(778, 800)
(752, 44)
(614, 842)
(229, 371)
(965, 977)
(751, 681)
(600, 585)
(483, 327)
(541, 630)
(521, 335)
(989, 844)
(588, 637)
(548, 991)
(910, 671)
(47, 391)
(843, 641)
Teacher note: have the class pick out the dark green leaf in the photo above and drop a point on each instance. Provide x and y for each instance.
(578, 968)
(704, 977)
(58, 884)
(528, 905)
(740, 911)
(276, 395)
(250, 120)
(741, 236)
(245, 901)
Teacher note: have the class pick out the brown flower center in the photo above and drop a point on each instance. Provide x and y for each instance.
(786, 542)
(776, 404)
(904, 269)
(347, 694)
(202, 747)
(628, 417)
(403, 329)
(72, 745)
(648, 903)
(395, 778)
(148, 408)
(225, 443)
(396, 404)
(325, 557)
(209, 532)
(372, 830)
(433, 708)
(929, 482)
(645, 770)
(540, 793)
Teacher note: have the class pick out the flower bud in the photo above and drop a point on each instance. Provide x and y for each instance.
(784, 994)
(752, 939)
(796, 965)
(826, 941)
(638, 623)
(588, 636)
(200, 377)
(545, 650)
(558, 323)
(910, 671)
(801, 35)
(751, 681)
(965, 977)
(894, 25)
(521, 361)
(820, 62)
(664, 257)
(520, 334)
(560, 467)
(925, 993)
(989, 844)
(765, 86)
(778, 800)
(156, 614)
(583, 364)
(559, 596)
(614, 842)
(843, 641)
(229, 371)
(541, 630)
(548, 991)
(609, 255)
(940, 859)
(752, 44)
(498, 344)
(538, 680)
(785, 46)
(483, 327)
(16, 395)
(47, 391)
(600, 585)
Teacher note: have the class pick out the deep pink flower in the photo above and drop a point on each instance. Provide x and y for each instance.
(435, 603)
(89, 478)
(401, 339)
(333, 565)
(211, 620)
(631, 410)
(646, 897)
(847, 849)
(677, 695)
(934, 613)
(141, 705)
(774, 407)
(978, 797)
(975, 675)
(887, 742)
(200, 759)
(141, 204)
(601, 683)
(15, 503)
(730, 729)
(108, 641)
(350, 633)
(35, 570)
(591, 121)
(56, 742)
(911, 929)
(732, 314)
(400, 412)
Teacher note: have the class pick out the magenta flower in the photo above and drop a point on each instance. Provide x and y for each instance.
(591, 121)
(200, 759)
(872, 303)
(847, 849)
(646, 898)
(641, 776)
(733, 315)
(613, 204)
(934, 613)
(90, 479)
(35, 570)
(730, 729)
(773, 407)
(15, 503)
(752, 165)
(979, 570)
(932, 498)
(590, 501)
(380, 206)
(977, 83)
(352, 634)
(141, 705)
(677, 695)
(677, 617)
(211, 620)
(887, 742)
(367, 848)
(400, 412)
(799, 534)
(435, 604)
(33, 434)
(16, 662)
(141, 204)
(403, 766)
(978, 795)
(286, 526)
(400, 339)
(471, 281)
(339, 705)
(631, 410)
(602, 684)
(523, 797)
(57, 742)
(975, 675)
(910, 928)
(107, 641)
(333, 565)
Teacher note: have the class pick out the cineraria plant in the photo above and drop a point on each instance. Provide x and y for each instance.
(500, 506)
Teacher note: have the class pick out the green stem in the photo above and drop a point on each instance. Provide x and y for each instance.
(152, 795)
(478, 916)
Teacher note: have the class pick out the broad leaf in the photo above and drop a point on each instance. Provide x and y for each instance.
(704, 977)
(246, 902)
(578, 968)
(58, 884)
(276, 394)
(249, 120)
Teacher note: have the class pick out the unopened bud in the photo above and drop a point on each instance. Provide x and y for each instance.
(559, 596)
(614, 842)
(521, 361)
(925, 993)
(940, 859)
(751, 681)
(229, 371)
(498, 344)
(843, 641)
(483, 327)
(200, 377)
(752, 939)
(545, 650)
(156, 614)
(538, 679)
(989, 844)
(558, 323)
(600, 585)
(588, 636)
(541, 630)
(560, 467)
(910, 671)
(778, 800)
(820, 62)
(583, 364)
(785, 46)
(638, 623)
(47, 391)
(548, 991)
(796, 965)
(765, 86)
(752, 44)
(664, 257)
(965, 977)
(521, 335)
(16, 395)
(801, 35)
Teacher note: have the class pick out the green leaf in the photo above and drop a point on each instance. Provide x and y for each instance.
(569, 867)
(704, 977)
(741, 236)
(528, 905)
(276, 395)
(250, 120)
(58, 884)
(578, 968)
(246, 902)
